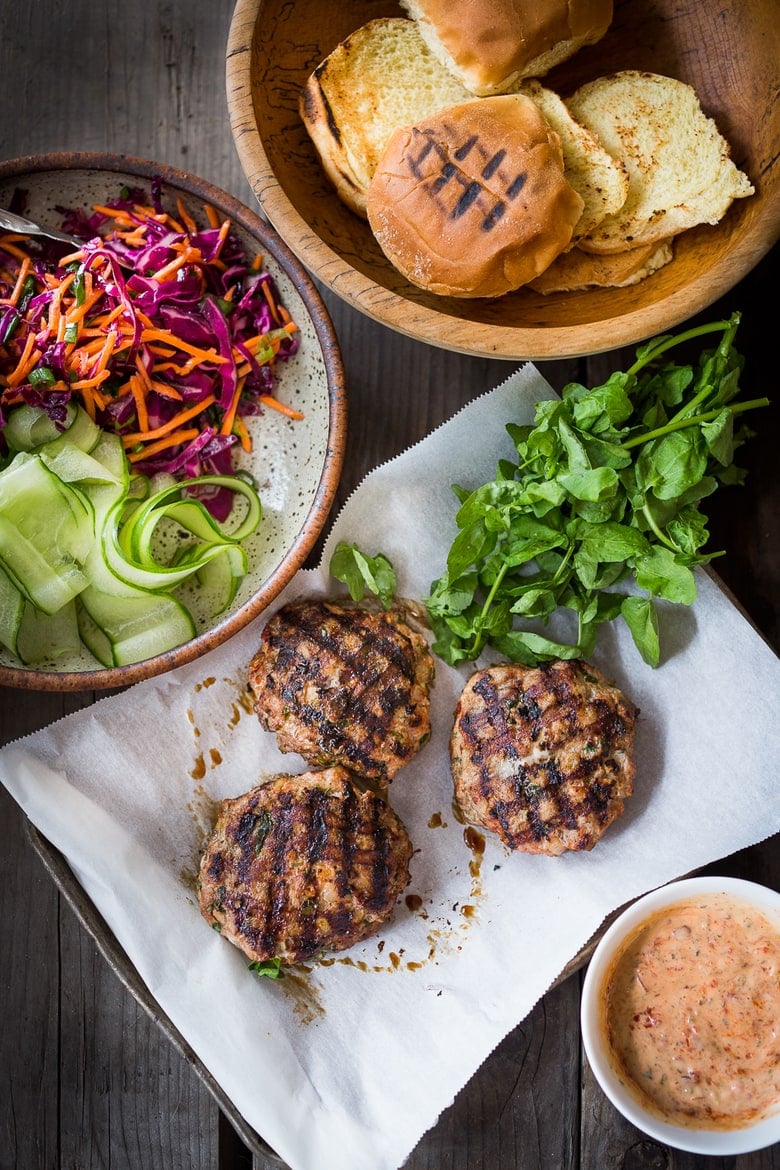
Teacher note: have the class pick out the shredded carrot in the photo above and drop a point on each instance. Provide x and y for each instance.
(16, 251)
(79, 312)
(272, 305)
(185, 218)
(105, 353)
(88, 400)
(243, 434)
(185, 436)
(282, 407)
(166, 428)
(117, 214)
(27, 360)
(90, 383)
(23, 272)
(160, 216)
(230, 413)
(137, 391)
(223, 235)
(205, 355)
(143, 373)
(187, 256)
(73, 257)
(111, 349)
(165, 390)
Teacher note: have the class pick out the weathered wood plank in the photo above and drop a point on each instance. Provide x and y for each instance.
(86, 1079)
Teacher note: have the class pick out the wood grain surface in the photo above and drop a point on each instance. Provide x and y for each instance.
(727, 52)
(87, 1079)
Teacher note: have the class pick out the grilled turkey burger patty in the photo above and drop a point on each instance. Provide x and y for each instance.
(303, 864)
(543, 756)
(344, 685)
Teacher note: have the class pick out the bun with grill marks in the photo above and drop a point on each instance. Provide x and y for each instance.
(473, 201)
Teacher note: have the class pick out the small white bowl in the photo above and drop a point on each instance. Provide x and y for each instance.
(753, 1136)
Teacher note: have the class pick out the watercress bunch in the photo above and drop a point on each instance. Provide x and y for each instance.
(607, 487)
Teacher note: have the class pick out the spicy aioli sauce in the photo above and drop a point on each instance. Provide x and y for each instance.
(692, 1013)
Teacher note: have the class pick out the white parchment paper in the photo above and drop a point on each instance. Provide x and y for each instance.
(345, 1065)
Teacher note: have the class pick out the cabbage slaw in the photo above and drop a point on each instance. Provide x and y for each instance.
(163, 337)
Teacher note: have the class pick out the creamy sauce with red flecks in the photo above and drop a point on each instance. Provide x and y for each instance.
(692, 1013)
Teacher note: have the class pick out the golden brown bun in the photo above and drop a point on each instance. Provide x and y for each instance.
(575, 269)
(680, 170)
(381, 77)
(472, 201)
(491, 44)
(601, 180)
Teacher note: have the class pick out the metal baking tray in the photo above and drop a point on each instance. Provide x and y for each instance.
(98, 929)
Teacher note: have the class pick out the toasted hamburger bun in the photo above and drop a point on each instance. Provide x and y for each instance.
(381, 77)
(575, 270)
(601, 180)
(473, 201)
(680, 171)
(490, 44)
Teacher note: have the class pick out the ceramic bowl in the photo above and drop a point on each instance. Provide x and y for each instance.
(724, 51)
(297, 462)
(752, 1136)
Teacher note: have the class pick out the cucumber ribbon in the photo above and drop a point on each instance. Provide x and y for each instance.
(83, 546)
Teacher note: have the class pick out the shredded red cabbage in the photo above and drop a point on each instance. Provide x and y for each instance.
(219, 300)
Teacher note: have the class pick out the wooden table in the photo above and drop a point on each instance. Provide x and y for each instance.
(86, 1078)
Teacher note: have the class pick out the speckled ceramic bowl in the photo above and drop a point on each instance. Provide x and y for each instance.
(754, 1135)
(296, 463)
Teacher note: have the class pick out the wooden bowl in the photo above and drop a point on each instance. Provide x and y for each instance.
(728, 52)
(296, 463)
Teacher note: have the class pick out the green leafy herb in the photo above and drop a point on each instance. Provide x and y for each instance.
(271, 968)
(263, 823)
(606, 487)
(360, 572)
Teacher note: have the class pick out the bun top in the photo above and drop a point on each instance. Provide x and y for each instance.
(490, 44)
(473, 202)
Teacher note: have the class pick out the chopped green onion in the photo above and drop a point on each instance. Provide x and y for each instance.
(42, 376)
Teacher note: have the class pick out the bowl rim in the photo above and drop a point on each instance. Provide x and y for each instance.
(120, 676)
(438, 328)
(745, 1139)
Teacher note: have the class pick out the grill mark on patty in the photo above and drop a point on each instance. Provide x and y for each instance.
(467, 200)
(314, 648)
(275, 890)
(380, 875)
(444, 176)
(561, 741)
(319, 837)
(331, 863)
